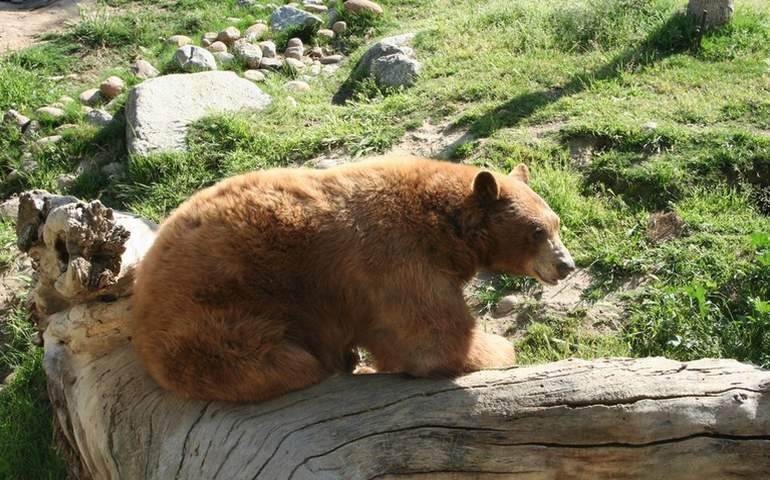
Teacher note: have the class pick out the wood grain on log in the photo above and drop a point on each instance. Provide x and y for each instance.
(605, 419)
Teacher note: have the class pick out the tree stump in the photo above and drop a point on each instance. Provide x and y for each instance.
(604, 419)
(718, 12)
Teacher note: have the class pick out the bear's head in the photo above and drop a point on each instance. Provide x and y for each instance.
(520, 230)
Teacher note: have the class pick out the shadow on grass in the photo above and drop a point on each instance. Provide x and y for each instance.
(674, 36)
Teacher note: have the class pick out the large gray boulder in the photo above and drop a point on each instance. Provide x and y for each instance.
(387, 46)
(396, 70)
(288, 16)
(159, 110)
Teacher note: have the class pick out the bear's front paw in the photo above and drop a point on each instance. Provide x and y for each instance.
(489, 351)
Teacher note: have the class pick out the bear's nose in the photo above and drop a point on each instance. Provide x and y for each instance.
(565, 267)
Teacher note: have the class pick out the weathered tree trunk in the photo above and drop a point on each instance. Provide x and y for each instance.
(718, 12)
(605, 419)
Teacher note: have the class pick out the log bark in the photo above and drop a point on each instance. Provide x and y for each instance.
(718, 12)
(604, 419)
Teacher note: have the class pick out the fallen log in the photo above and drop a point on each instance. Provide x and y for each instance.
(602, 419)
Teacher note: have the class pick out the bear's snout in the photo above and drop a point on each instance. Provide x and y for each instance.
(553, 262)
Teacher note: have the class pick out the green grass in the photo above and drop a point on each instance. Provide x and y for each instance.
(527, 79)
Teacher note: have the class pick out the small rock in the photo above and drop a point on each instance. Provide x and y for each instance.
(294, 63)
(268, 48)
(65, 181)
(86, 109)
(330, 69)
(326, 33)
(179, 40)
(64, 100)
(224, 58)
(271, 63)
(51, 112)
(229, 35)
(294, 42)
(254, 75)
(233, 19)
(248, 53)
(28, 164)
(193, 59)
(245, 3)
(112, 87)
(386, 46)
(339, 27)
(362, 6)
(9, 209)
(326, 163)
(507, 304)
(50, 140)
(296, 86)
(217, 47)
(315, 68)
(98, 117)
(205, 43)
(255, 32)
(92, 96)
(292, 102)
(316, 52)
(210, 37)
(288, 16)
(293, 52)
(64, 127)
(316, 8)
(329, 59)
(650, 126)
(12, 116)
(395, 70)
(31, 128)
(143, 69)
(114, 169)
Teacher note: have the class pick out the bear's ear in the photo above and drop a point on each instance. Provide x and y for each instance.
(485, 187)
(520, 173)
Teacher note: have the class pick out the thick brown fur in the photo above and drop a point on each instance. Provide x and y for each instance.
(265, 282)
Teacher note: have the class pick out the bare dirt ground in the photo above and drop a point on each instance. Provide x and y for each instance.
(21, 27)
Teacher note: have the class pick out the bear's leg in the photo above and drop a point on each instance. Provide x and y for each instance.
(248, 361)
(489, 351)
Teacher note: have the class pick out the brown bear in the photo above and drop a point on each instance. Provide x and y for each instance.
(267, 282)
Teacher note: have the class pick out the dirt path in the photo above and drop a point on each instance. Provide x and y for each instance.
(21, 27)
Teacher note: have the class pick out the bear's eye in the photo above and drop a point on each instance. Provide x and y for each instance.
(539, 234)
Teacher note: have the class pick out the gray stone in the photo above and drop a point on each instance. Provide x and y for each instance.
(326, 163)
(65, 181)
(271, 63)
(112, 87)
(255, 32)
(99, 117)
(144, 69)
(224, 58)
(386, 46)
(9, 209)
(51, 112)
(268, 48)
(358, 7)
(254, 75)
(294, 42)
(12, 116)
(179, 40)
(210, 37)
(395, 71)
(50, 140)
(330, 59)
(339, 27)
(217, 47)
(294, 63)
(193, 59)
(287, 16)
(92, 96)
(229, 35)
(296, 86)
(326, 33)
(159, 111)
(248, 53)
(31, 128)
(315, 8)
(294, 52)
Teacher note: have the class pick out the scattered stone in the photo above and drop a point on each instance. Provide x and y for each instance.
(64, 100)
(224, 58)
(233, 19)
(112, 87)
(65, 181)
(193, 59)
(395, 71)
(31, 128)
(217, 47)
(254, 75)
(650, 126)
(296, 86)
(255, 32)
(292, 102)
(339, 27)
(330, 59)
(210, 37)
(92, 96)
(316, 52)
(28, 164)
(229, 35)
(271, 63)
(506, 304)
(326, 33)
(86, 109)
(294, 63)
(159, 111)
(268, 48)
(664, 226)
(114, 169)
(64, 127)
(294, 42)
(9, 209)
(205, 43)
(315, 68)
(248, 53)
(245, 3)
(143, 69)
(50, 140)
(12, 116)
(179, 40)
(362, 6)
(386, 46)
(316, 8)
(326, 163)
(287, 17)
(294, 52)
(51, 112)
(99, 117)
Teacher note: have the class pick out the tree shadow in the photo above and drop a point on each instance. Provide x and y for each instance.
(674, 36)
